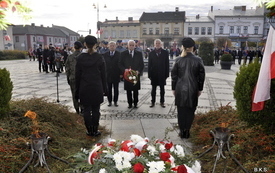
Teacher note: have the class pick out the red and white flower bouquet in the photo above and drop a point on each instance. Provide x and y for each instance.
(131, 75)
(138, 155)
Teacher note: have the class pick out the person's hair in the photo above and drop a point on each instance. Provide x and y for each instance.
(90, 42)
(157, 40)
(131, 41)
(185, 50)
(112, 42)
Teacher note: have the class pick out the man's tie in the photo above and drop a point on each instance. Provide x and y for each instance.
(112, 53)
(131, 52)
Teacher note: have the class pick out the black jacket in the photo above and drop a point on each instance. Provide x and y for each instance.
(158, 67)
(112, 69)
(188, 77)
(90, 79)
(136, 63)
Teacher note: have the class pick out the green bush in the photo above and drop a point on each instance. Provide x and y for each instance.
(206, 53)
(12, 54)
(5, 91)
(244, 86)
(226, 57)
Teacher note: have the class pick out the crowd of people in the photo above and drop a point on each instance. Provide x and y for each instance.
(94, 70)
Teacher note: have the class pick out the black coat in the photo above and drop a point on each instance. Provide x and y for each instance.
(90, 79)
(112, 69)
(136, 63)
(158, 67)
(188, 77)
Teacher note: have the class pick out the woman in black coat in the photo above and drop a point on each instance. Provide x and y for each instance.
(91, 84)
(188, 77)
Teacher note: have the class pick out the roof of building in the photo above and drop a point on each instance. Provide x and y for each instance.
(32, 29)
(198, 18)
(120, 23)
(238, 11)
(66, 30)
(163, 16)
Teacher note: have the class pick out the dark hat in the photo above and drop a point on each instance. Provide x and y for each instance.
(90, 40)
(188, 42)
(119, 41)
(40, 45)
(105, 42)
(78, 44)
(136, 41)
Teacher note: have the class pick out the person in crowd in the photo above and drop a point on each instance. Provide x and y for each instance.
(119, 47)
(188, 75)
(158, 71)
(39, 52)
(131, 59)
(45, 58)
(65, 53)
(113, 72)
(234, 54)
(31, 54)
(240, 55)
(217, 56)
(259, 54)
(70, 72)
(104, 48)
(251, 54)
(90, 84)
(58, 60)
(52, 58)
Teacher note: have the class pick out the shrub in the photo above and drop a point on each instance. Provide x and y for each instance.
(12, 54)
(244, 85)
(5, 91)
(206, 53)
(226, 57)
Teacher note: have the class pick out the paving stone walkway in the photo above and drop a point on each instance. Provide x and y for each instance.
(122, 122)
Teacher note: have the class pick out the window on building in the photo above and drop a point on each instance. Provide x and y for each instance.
(209, 31)
(203, 31)
(157, 31)
(16, 38)
(71, 38)
(144, 31)
(221, 30)
(256, 29)
(121, 33)
(176, 31)
(50, 40)
(166, 31)
(231, 30)
(151, 31)
(197, 30)
(128, 34)
(190, 30)
(60, 40)
(245, 29)
(113, 34)
(55, 40)
(106, 34)
(134, 33)
(238, 29)
(33, 39)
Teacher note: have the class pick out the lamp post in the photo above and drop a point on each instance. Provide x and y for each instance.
(97, 24)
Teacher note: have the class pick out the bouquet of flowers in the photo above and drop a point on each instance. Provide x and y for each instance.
(131, 75)
(137, 155)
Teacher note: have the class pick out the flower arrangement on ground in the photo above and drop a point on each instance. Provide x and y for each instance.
(131, 75)
(137, 155)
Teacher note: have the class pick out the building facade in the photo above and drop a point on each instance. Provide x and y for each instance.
(6, 40)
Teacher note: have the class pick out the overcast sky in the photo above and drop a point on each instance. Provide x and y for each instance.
(81, 15)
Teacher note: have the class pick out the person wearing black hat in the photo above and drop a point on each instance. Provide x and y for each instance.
(104, 48)
(188, 75)
(70, 72)
(119, 47)
(91, 84)
(39, 53)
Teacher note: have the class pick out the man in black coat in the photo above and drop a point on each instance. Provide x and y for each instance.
(158, 71)
(113, 72)
(131, 59)
(240, 56)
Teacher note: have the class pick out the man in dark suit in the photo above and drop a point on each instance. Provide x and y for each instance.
(158, 71)
(131, 59)
(113, 72)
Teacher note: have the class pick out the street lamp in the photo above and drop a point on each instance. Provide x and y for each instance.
(98, 26)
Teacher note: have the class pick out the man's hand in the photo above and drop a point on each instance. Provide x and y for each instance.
(199, 93)
(174, 93)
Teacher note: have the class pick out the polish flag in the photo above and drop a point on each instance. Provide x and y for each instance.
(267, 72)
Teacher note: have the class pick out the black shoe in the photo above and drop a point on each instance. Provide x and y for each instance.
(184, 134)
(116, 105)
(162, 105)
(130, 106)
(135, 105)
(95, 131)
(152, 105)
(110, 104)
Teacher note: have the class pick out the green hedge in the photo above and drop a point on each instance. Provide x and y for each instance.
(12, 54)
(244, 86)
(5, 92)
(206, 53)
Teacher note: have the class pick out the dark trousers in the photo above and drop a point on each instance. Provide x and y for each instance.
(75, 102)
(185, 117)
(240, 60)
(91, 119)
(130, 97)
(153, 93)
(40, 64)
(111, 86)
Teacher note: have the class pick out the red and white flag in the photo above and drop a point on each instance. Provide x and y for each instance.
(267, 72)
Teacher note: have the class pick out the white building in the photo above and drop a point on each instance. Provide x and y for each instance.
(239, 24)
(6, 40)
